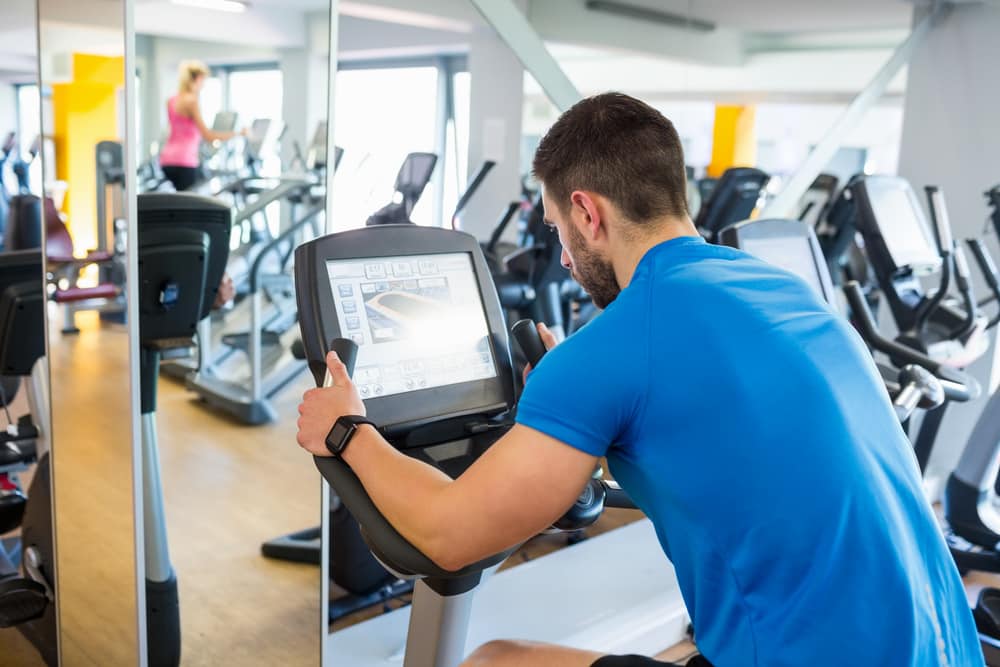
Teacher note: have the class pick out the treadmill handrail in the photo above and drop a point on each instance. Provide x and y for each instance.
(958, 386)
(265, 199)
(470, 190)
(273, 244)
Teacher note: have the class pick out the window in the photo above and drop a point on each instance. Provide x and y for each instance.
(28, 129)
(254, 94)
(210, 99)
(257, 93)
(382, 114)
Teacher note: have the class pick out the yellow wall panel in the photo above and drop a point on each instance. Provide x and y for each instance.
(734, 138)
(85, 111)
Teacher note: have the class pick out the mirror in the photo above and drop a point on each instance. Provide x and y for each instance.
(28, 564)
(232, 170)
(29, 637)
(66, 160)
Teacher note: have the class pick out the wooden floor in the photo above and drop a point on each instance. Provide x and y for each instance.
(229, 487)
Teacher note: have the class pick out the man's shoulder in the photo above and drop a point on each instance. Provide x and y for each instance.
(612, 337)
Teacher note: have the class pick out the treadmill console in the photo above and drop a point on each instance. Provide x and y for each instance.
(420, 304)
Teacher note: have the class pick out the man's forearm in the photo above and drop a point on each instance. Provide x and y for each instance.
(404, 489)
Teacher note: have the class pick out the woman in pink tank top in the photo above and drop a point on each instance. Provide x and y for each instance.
(179, 155)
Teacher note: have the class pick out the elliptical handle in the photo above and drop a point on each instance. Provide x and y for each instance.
(525, 332)
(957, 385)
(989, 271)
(347, 350)
(939, 217)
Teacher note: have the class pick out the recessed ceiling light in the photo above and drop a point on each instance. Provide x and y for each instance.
(235, 6)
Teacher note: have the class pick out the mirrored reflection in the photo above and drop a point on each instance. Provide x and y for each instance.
(76, 182)
(232, 168)
(27, 604)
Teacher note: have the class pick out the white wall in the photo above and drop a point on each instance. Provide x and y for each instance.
(365, 39)
(950, 139)
(495, 111)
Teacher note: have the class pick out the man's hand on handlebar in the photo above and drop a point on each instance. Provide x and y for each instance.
(548, 340)
(321, 407)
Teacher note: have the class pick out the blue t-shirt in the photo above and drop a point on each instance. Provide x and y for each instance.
(750, 424)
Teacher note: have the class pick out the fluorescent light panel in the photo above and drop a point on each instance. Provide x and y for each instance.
(234, 6)
(647, 14)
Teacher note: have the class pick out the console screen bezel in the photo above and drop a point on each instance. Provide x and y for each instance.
(318, 320)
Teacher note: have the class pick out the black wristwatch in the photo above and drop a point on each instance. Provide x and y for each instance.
(342, 432)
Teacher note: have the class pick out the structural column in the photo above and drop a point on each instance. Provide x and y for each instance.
(951, 139)
(495, 107)
(734, 139)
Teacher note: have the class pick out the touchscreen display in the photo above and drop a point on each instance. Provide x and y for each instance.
(792, 255)
(903, 228)
(418, 321)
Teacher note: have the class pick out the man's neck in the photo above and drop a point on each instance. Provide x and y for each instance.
(632, 252)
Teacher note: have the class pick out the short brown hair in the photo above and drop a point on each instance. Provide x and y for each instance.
(618, 147)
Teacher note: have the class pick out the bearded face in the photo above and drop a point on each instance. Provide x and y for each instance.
(594, 272)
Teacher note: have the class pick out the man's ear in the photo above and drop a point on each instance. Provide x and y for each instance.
(587, 214)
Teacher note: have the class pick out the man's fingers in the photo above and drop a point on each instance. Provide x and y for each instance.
(337, 369)
(548, 338)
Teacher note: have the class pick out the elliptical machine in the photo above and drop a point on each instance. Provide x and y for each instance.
(900, 248)
(732, 199)
(413, 176)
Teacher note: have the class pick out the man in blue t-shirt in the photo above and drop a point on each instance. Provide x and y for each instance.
(744, 417)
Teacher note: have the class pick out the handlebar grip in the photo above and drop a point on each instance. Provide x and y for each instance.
(929, 392)
(347, 350)
(939, 216)
(961, 265)
(525, 332)
(615, 496)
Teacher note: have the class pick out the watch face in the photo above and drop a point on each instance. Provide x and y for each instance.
(335, 441)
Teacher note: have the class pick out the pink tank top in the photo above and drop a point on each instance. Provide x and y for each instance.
(181, 149)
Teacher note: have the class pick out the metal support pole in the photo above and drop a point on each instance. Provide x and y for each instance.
(514, 29)
(786, 202)
(158, 567)
(255, 344)
(38, 404)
